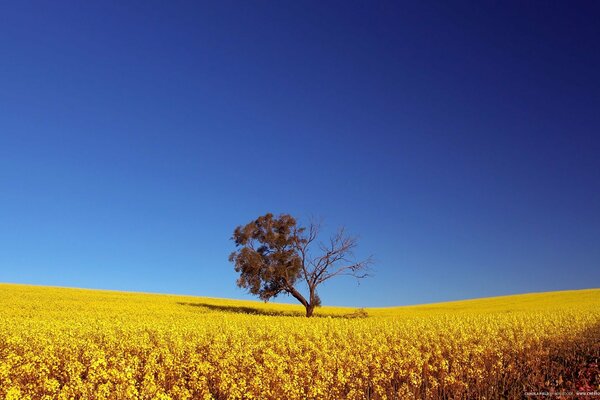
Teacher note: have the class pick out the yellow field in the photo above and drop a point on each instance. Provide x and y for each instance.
(84, 344)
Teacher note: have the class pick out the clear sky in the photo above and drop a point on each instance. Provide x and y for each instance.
(459, 140)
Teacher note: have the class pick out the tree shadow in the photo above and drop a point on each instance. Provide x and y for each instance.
(360, 313)
(244, 310)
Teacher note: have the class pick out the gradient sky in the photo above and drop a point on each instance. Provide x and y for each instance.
(460, 141)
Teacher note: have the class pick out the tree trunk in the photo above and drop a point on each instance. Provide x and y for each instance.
(312, 301)
(309, 305)
(310, 308)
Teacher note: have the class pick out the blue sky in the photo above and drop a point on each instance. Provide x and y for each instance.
(460, 141)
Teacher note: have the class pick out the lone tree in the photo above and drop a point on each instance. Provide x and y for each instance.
(274, 254)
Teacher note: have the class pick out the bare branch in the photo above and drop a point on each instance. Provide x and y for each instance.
(337, 259)
(358, 270)
(303, 243)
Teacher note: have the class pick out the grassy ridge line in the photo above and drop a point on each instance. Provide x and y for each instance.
(564, 299)
(510, 303)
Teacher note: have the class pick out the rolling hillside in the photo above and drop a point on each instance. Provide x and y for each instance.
(55, 299)
(58, 343)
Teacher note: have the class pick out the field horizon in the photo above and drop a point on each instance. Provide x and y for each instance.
(541, 297)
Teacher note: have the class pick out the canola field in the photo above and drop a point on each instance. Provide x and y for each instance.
(58, 343)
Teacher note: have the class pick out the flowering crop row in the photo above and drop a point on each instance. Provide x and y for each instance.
(76, 344)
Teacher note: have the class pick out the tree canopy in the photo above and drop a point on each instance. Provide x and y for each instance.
(275, 254)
